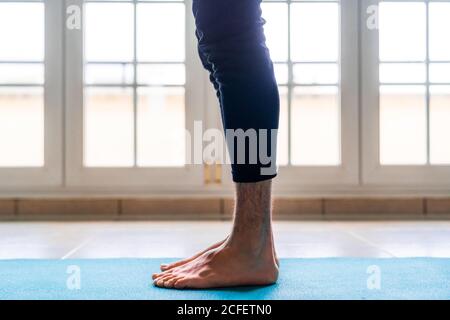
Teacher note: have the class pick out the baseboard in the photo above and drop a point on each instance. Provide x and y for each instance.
(173, 208)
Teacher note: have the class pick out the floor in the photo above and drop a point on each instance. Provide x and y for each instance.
(70, 240)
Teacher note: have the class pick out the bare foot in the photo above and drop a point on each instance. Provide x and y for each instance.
(165, 267)
(169, 266)
(247, 257)
(225, 266)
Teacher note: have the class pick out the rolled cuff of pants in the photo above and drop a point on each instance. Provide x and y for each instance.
(250, 176)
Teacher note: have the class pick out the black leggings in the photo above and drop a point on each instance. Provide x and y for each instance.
(231, 45)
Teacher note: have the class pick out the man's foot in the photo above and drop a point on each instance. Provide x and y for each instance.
(165, 267)
(247, 257)
(225, 266)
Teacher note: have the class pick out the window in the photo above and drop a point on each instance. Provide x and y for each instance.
(412, 98)
(135, 58)
(134, 84)
(22, 84)
(113, 105)
(308, 73)
(305, 41)
(30, 135)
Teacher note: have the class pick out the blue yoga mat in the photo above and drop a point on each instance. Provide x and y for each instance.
(336, 278)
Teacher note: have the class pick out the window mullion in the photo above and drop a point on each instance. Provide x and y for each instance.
(427, 75)
(290, 84)
(135, 98)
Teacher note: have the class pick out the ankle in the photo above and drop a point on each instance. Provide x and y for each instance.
(250, 246)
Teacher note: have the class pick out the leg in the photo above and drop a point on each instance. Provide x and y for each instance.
(247, 257)
(164, 267)
(232, 48)
(207, 65)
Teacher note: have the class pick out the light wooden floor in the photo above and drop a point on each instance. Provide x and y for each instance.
(66, 240)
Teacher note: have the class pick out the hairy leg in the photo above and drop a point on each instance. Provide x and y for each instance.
(247, 257)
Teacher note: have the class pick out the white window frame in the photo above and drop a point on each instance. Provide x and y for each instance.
(51, 173)
(157, 178)
(417, 176)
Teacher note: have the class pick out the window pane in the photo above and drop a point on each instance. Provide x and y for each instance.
(440, 124)
(161, 123)
(22, 28)
(315, 126)
(283, 139)
(276, 29)
(108, 131)
(281, 73)
(403, 125)
(439, 28)
(405, 41)
(15, 73)
(316, 73)
(440, 72)
(109, 73)
(109, 32)
(402, 73)
(161, 32)
(171, 74)
(315, 31)
(21, 127)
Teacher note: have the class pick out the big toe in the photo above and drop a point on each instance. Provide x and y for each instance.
(169, 266)
(160, 281)
(161, 274)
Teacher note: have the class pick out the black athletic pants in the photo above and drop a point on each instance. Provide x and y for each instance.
(231, 45)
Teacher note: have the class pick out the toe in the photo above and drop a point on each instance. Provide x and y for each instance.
(169, 281)
(180, 283)
(161, 274)
(170, 266)
(164, 266)
(160, 282)
(157, 275)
